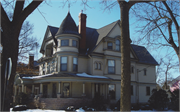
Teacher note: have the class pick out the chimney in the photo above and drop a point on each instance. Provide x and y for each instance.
(82, 31)
(31, 61)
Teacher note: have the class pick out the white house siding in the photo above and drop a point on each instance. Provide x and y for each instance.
(99, 48)
(143, 98)
(115, 32)
(82, 64)
(77, 88)
(150, 76)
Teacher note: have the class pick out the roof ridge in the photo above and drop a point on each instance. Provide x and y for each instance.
(108, 24)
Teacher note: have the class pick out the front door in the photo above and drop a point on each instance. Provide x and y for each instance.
(44, 91)
(66, 90)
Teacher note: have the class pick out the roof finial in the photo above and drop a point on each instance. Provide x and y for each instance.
(69, 7)
(81, 11)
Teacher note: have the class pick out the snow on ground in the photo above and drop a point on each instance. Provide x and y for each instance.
(78, 110)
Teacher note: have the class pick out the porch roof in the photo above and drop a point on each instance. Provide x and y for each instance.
(65, 75)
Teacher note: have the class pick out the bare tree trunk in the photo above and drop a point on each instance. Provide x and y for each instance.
(125, 59)
(10, 43)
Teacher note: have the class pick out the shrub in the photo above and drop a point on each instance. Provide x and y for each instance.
(99, 102)
(159, 99)
(175, 100)
(22, 99)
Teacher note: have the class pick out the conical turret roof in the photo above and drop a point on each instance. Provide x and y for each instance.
(68, 26)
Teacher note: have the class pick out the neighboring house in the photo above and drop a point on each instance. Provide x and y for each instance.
(79, 62)
(31, 68)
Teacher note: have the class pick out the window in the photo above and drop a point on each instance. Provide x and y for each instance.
(131, 89)
(75, 64)
(98, 66)
(145, 71)
(117, 45)
(74, 43)
(110, 45)
(63, 63)
(132, 69)
(111, 66)
(112, 91)
(65, 42)
(147, 90)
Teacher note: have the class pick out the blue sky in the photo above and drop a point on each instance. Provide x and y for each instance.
(96, 18)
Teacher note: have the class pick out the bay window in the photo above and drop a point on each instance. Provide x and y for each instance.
(75, 64)
(111, 66)
(63, 63)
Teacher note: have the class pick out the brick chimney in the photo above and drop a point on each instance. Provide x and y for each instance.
(31, 61)
(82, 31)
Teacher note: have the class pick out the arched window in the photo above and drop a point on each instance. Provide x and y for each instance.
(117, 45)
(96, 65)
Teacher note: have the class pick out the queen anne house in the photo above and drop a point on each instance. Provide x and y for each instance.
(79, 62)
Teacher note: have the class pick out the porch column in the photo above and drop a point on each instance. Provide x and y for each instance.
(83, 90)
(59, 90)
(15, 90)
(96, 87)
(108, 95)
(102, 89)
(23, 88)
(19, 89)
(32, 89)
(41, 90)
(93, 90)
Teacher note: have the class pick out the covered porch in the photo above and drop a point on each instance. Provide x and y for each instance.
(64, 85)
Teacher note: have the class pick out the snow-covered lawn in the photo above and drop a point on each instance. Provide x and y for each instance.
(79, 110)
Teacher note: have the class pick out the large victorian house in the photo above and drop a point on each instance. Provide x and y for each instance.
(79, 62)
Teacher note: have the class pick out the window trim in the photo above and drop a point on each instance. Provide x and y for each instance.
(75, 64)
(61, 63)
(148, 92)
(109, 46)
(132, 93)
(76, 43)
(117, 44)
(145, 72)
(114, 91)
(132, 69)
(64, 45)
(114, 66)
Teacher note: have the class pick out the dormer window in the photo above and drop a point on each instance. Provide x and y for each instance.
(74, 43)
(65, 42)
(117, 45)
(109, 45)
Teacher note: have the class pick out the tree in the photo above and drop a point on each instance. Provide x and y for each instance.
(160, 26)
(27, 43)
(159, 99)
(10, 34)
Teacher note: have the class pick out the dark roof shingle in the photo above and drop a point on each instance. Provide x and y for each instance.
(143, 55)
